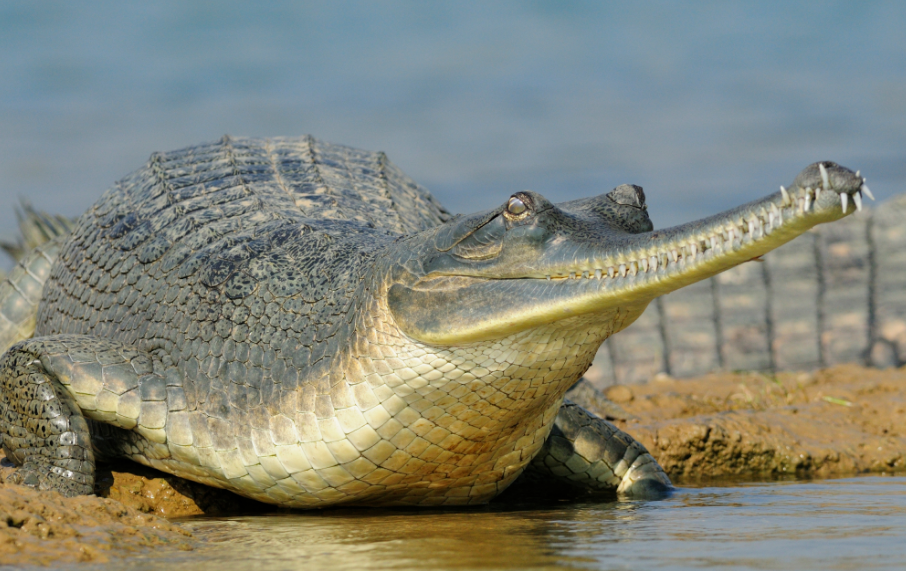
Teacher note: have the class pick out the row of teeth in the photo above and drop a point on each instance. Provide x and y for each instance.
(806, 201)
(733, 236)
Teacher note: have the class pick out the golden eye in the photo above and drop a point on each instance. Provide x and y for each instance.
(515, 206)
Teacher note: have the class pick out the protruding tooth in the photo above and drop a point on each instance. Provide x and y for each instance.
(864, 188)
(752, 227)
(585, 275)
(771, 219)
(817, 194)
(610, 272)
(622, 270)
(825, 183)
(643, 264)
(572, 275)
(673, 255)
(808, 200)
(653, 261)
(633, 268)
(548, 278)
(693, 249)
(857, 199)
(843, 198)
(858, 173)
(599, 274)
(786, 196)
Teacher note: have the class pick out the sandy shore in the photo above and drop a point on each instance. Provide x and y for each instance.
(840, 421)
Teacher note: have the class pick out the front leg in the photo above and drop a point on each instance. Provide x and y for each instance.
(587, 453)
(54, 389)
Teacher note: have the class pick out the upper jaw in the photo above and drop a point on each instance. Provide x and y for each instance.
(630, 270)
(823, 192)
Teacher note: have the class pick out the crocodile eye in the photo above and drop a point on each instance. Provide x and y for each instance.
(515, 206)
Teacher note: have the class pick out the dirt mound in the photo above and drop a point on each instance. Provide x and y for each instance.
(42, 528)
(842, 420)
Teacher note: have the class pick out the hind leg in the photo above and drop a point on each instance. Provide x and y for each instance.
(588, 454)
(50, 385)
(43, 430)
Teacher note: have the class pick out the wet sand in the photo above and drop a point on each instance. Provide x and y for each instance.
(44, 528)
(835, 422)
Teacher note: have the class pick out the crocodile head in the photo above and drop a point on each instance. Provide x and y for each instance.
(531, 263)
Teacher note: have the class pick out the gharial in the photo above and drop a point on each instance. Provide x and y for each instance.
(302, 324)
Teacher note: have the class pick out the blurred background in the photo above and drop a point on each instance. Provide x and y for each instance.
(705, 104)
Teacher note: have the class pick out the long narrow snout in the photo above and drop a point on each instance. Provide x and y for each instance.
(627, 271)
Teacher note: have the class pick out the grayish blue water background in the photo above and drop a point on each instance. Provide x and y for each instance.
(704, 104)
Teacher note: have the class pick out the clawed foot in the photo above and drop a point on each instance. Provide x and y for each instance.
(48, 477)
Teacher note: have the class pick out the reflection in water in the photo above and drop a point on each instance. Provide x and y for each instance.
(857, 523)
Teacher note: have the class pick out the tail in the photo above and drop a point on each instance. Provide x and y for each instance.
(35, 228)
(35, 250)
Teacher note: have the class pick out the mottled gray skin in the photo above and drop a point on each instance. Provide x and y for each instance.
(302, 324)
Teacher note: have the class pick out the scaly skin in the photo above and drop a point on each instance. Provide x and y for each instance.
(302, 324)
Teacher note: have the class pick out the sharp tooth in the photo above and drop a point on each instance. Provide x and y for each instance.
(808, 200)
(786, 196)
(548, 278)
(673, 255)
(585, 275)
(751, 227)
(857, 198)
(622, 270)
(864, 188)
(825, 183)
(599, 274)
(653, 261)
(572, 275)
(610, 272)
(633, 268)
(771, 219)
(817, 194)
(858, 173)
(643, 264)
(693, 249)
(843, 198)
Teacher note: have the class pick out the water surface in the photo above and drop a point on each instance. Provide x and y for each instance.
(856, 523)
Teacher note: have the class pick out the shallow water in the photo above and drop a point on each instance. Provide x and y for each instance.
(855, 523)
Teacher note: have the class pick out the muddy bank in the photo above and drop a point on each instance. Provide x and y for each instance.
(42, 528)
(838, 421)
(127, 516)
